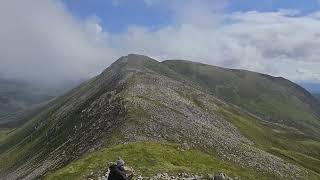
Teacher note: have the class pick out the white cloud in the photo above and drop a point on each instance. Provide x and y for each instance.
(41, 40)
(278, 43)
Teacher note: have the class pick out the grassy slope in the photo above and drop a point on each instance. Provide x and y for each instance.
(274, 99)
(299, 150)
(278, 100)
(281, 141)
(149, 159)
(24, 142)
(4, 133)
(21, 143)
(278, 140)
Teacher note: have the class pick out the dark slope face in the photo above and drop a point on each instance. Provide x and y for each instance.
(273, 99)
(21, 99)
(317, 96)
(17, 96)
(140, 99)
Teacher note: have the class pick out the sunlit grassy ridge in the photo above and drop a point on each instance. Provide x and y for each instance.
(149, 158)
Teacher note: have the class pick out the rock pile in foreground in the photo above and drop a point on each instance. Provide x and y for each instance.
(166, 176)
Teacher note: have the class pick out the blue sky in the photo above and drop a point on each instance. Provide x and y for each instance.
(117, 15)
(305, 6)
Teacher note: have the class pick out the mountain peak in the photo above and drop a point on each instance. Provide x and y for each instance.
(130, 61)
(136, 58)
(240, 117)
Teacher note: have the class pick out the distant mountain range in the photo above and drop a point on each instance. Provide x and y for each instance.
(19, 99)
(174, 116)
(311, 87)
(18, 96)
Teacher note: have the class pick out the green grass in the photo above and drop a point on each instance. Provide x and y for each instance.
(150, 158)
(295, 147)
(274, 99)
(25, 142)
(4, 133)
(266, 97)
(302, 159)
(281, 142)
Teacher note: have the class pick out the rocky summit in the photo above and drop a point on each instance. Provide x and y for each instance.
(170, 117)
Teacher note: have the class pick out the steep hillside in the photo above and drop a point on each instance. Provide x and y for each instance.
(272, 99)
(317, 96)
(20, 99)
(16, 97)
(249, 122)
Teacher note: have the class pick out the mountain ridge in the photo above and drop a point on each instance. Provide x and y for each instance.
(140, 99)
(303, 94)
